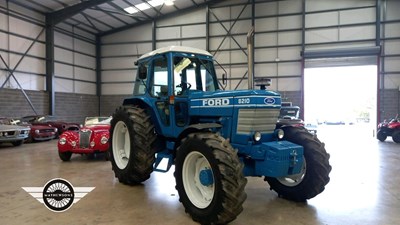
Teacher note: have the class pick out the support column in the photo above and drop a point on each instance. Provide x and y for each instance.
(98, 72)
(50, 64)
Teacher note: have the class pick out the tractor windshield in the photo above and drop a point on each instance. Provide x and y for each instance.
(193, 74)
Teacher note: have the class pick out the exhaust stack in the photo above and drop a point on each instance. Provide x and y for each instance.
(250, 60)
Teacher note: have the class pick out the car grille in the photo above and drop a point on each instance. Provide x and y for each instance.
(46, 130)
(84, 138)
(256, 119)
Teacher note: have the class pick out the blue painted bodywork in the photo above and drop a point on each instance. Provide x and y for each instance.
(266, 157)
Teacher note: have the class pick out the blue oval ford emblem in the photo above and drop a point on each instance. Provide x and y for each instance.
(269, 101)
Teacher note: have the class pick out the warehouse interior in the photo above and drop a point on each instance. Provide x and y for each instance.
(75, 58)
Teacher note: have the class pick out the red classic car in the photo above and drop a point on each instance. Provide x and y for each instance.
(50, 120)
(91, 138)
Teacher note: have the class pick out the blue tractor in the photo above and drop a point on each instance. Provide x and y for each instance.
(214, 138)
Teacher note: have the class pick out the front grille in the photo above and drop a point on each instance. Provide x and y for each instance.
(46, 130)
(10, 133)
(84, 138)
(256, 119)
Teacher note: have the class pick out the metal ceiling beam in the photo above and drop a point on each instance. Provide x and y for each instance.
(189, 9)
(62, 14)
(141, 11)
(122, 9)
(110, 15)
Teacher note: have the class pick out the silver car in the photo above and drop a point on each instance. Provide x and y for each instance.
(13, 134)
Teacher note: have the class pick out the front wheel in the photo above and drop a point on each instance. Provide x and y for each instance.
(209, 179)
(314, 174)
(65, 156)
(132, 145)
(381, 136)
(17, 143)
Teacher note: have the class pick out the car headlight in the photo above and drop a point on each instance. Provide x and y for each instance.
(257, 136)
(92, 144)
(279, 133)
(1, 134)
(73, 143)
(62, 141)
(103, 140)
(36, 131)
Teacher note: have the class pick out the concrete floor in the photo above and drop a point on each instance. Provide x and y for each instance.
(364, 189)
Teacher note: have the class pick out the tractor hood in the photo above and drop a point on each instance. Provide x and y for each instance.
(223, 103)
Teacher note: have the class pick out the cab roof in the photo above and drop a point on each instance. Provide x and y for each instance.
(176, 49)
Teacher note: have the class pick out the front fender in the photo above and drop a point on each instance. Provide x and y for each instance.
(198, 127)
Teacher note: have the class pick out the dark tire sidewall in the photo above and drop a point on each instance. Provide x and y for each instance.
(381, 136)
(396, 136)
(215, 207)
(314, 155)
(121, 115)
(65, 156)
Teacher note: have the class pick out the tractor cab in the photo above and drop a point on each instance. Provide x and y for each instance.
(165, 80)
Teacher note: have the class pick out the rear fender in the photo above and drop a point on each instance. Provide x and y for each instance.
(289, 123)
(144, 103)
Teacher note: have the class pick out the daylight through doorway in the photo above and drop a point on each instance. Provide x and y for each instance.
(341, 97)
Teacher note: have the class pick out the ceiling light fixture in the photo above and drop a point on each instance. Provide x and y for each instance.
(169, 2)
(131, 10)
(143, 6)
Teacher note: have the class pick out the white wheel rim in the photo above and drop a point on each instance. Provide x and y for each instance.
(200, 195)
(295, 179)
(121, 145)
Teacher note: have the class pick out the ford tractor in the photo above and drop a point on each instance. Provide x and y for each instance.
(179, 117)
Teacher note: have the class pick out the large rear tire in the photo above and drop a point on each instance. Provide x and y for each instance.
(132, 145)
(209, 179)
(314, 175)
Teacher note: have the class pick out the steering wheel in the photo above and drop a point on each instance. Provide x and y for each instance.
(188, 85)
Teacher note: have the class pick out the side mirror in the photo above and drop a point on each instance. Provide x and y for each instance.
(142, 72)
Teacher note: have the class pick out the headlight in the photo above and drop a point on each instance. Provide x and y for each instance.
(279, 133)
(1, 134)
(103, 140)
(36, 131)
(257, 136)
(92, 144)
(62, 141)
(73, 143)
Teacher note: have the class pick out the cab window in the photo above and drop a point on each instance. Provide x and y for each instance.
(193, 74)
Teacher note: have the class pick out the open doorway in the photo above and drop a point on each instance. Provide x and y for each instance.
(341, 98)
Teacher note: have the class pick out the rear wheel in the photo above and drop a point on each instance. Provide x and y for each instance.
(132, 145)
(315, 171)
(65, 156)
(209, 179)
(396, 136)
